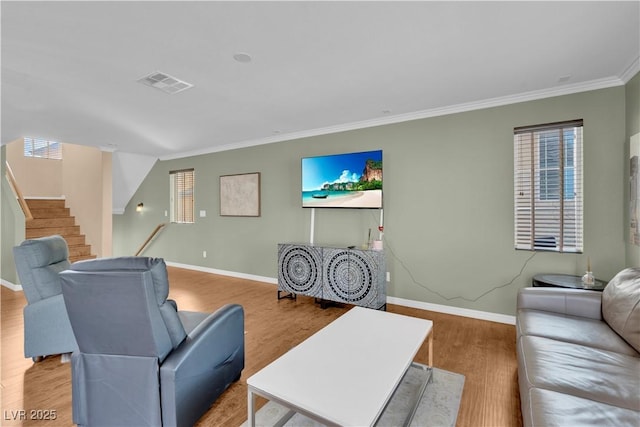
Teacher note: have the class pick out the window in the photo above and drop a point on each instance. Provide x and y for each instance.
(548, 187)
(181, 196)
(34, 147)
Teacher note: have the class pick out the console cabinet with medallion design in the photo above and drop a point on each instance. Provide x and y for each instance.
(346, 275)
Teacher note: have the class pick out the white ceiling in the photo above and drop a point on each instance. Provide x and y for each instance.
(69, 69)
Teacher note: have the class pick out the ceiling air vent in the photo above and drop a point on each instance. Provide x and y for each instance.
(165, 82)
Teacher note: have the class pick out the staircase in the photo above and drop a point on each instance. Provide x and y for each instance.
(51, 216)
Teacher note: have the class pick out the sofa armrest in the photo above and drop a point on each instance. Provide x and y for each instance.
(203, 366)
(573, 302)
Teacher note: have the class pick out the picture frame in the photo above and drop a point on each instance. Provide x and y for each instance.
(240, 194)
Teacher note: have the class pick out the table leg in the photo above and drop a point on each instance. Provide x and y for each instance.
(251, 413)
(418, 397)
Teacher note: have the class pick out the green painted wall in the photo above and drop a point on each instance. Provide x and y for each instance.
(12, 226)
(633, 127)
(448, 185)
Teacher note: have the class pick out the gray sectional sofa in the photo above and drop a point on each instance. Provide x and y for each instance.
(579, 354)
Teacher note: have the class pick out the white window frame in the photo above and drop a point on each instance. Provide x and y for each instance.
(553, 219)
(182, 196)
(42, 148)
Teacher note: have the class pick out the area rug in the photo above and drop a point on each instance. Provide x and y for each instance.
(438, 407)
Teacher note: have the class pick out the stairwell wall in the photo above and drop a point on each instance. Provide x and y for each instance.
(12, 225)
(36, 177)
(83, 181)
(82, 177)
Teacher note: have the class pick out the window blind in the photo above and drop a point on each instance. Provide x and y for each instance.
(181, 195)
(548, 199)
(35, 147)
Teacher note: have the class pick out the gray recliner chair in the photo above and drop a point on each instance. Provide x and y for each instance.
(47, 330)
(140, 361)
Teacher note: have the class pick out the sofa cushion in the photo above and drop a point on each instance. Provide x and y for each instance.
(573, 329)
(621, 305)
(582, 303)
(550, 408)
(590, 373)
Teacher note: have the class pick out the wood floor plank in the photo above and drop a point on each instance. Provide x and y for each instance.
(482, 351)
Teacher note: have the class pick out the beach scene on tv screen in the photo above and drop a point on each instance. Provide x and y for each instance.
(351, 180)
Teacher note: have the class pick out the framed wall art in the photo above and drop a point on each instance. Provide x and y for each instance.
(240, 194)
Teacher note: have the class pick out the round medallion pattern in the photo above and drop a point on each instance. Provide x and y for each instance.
(299, 269)
(349, 276)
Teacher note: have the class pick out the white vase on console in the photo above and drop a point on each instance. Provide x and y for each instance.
(588, 280)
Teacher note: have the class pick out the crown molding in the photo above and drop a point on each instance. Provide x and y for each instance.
(108, 149)
(630, 71)
(568, 89)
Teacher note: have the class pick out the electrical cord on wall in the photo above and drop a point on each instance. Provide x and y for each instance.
(427, 288)
(422, 285)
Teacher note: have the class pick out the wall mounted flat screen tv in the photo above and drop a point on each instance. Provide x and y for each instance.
(350, 180)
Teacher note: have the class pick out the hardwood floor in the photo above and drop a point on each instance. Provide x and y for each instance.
(482, 351)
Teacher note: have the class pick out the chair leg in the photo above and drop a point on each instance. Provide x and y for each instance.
(37, 359)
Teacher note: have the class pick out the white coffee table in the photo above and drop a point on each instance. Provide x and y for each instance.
(345, 373)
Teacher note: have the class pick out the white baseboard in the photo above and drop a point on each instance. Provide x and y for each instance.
(224, 272)
(10, 285)
(438, 308)
(465, 312)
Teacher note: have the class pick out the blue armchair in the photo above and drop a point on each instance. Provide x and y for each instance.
(47, 330)
(140, 362)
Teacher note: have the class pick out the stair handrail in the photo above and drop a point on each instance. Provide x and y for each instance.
(16, 189)
(150, 238)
